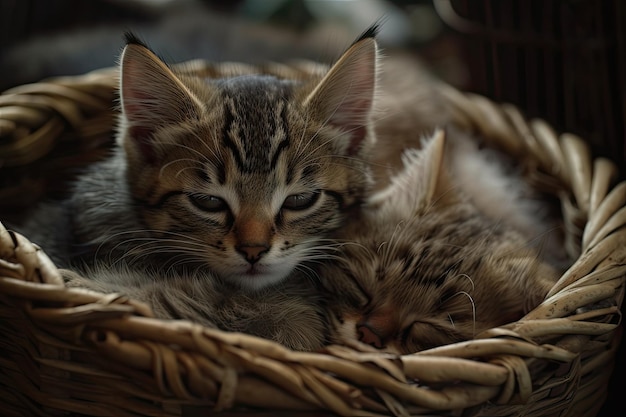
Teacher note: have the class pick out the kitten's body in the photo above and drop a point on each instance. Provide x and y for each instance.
(221, 192)
(425, 265)
(242, 175)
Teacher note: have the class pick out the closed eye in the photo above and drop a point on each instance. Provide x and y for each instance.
(363, 301)
(209, 203)
(422, 335)
(433, 332)
(300, 201)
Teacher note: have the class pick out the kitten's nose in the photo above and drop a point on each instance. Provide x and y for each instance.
(252, 253)
(368, 335)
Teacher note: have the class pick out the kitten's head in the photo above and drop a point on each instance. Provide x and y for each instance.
(423, 267)
(246, 174)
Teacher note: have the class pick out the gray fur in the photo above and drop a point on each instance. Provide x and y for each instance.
(193, 212)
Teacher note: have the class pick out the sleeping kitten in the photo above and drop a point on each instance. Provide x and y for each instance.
(423, 266)
(243, 176)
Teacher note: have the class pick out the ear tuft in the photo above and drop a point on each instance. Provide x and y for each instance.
(370, 32)
(132, 38)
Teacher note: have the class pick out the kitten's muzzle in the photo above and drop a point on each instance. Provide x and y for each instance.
(369, 335)
(253, 236)
(252, 253)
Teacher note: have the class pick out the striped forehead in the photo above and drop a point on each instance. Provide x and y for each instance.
(255, 129)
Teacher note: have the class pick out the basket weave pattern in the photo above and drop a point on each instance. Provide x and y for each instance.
(78, 352)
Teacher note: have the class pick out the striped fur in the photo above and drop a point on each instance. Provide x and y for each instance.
(243, 176)
(424, 265)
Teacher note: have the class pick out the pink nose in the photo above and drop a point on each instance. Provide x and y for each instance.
(252, 253)
(369, 336)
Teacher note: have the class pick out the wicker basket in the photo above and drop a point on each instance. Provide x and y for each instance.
(67, 351)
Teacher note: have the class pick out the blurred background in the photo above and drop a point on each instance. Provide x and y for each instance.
(561, 60)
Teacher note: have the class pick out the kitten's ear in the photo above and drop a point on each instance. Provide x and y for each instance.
(423, 183)
(151, 94)
(344, 97)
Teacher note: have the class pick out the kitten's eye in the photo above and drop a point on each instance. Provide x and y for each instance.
(208, 203)
(301, 201)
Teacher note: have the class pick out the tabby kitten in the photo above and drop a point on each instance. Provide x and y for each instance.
(243, 176)
(422, 266)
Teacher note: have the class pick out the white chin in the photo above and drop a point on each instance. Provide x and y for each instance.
(261, 278)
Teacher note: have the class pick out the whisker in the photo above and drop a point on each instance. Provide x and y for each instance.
(473, 308)
(202, 156)
(175, 161)
(307, 271)
(469, 279)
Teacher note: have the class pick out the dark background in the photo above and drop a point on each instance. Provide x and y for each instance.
(561, 60)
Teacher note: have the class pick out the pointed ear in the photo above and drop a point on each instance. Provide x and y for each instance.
(422, 184)
(344, 97)
(151, 94)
